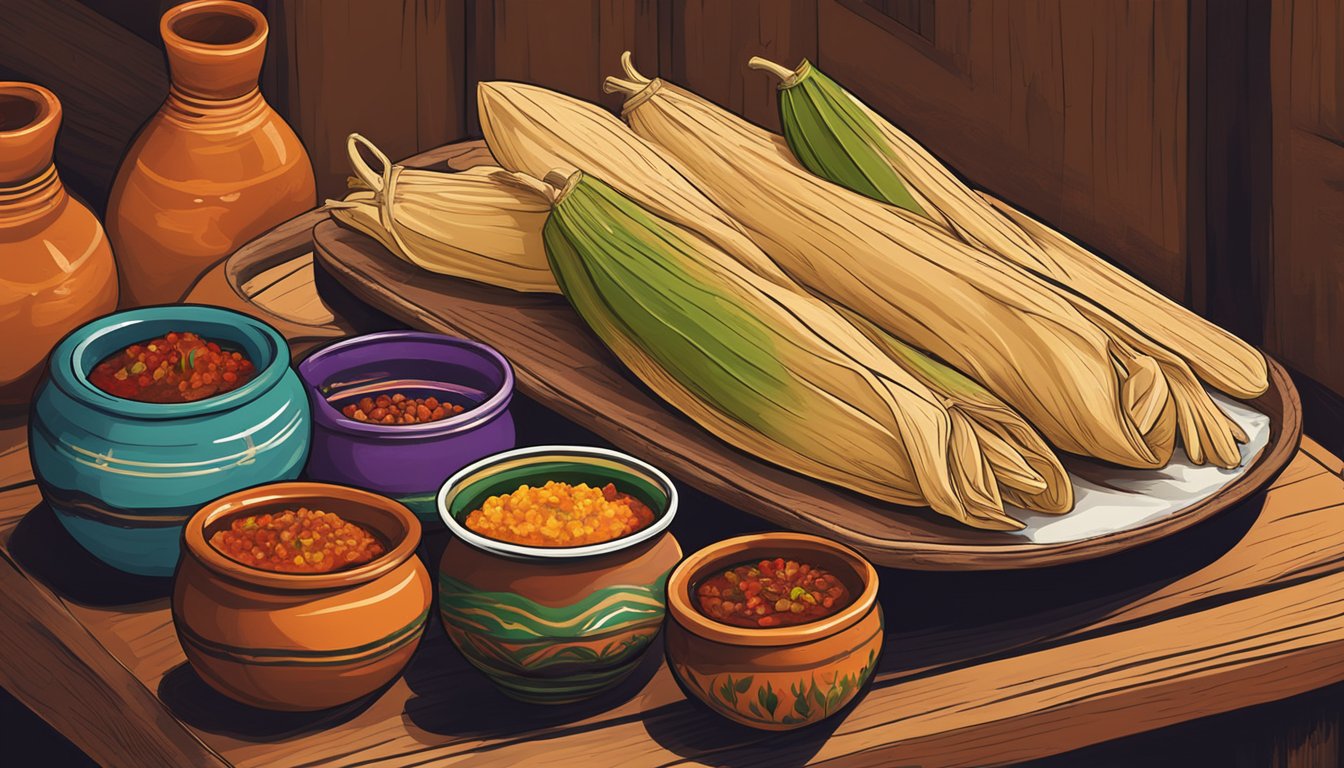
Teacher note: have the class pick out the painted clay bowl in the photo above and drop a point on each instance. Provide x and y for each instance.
(778, 678)
(123, 476)
(555, 624)
(301, 641)
(408, 462)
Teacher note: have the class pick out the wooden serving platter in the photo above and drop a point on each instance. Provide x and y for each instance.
(561, 364)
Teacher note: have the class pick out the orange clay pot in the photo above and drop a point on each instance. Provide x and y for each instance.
(56, 269)
(781, 678)
(301, 641)
(215, 167)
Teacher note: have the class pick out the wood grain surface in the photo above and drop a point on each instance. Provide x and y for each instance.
(977, 669)
(109, 82)
(562, 365)
(1305, 319)
(393, 71)
(1039, 102)
(709, 43)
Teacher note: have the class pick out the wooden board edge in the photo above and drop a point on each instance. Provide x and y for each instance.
(84, 691)
(1333, 464)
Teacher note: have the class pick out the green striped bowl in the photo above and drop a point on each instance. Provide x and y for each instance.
(612, 607)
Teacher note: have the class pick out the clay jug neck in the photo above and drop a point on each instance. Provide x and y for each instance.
(29, 187)
(215, 49)
(30, 115)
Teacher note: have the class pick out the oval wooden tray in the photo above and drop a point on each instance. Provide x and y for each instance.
(561, 365)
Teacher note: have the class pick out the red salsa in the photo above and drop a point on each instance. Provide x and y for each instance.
(399, 409)
(176, 368)
(771, 593)
(297, 541)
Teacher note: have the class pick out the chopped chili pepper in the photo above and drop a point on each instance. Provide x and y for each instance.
(400, 409)
(175, 368)
(302, 541)
(771, 593)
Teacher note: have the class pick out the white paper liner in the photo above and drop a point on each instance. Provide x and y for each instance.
(1130, 498)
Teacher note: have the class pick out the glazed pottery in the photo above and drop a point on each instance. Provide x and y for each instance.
(780, 678)
(301, 641)
(215, 167)
(408, 462)
(555, 625)
(57, 264)
(123, 476)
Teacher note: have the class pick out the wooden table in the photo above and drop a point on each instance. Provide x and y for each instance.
(979, 668)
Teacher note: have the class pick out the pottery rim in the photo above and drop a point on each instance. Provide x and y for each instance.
(47, 105)
(168, 25)
(577, 452)
(68, 370)
(468, 419)
(396, 524)
(735, 550)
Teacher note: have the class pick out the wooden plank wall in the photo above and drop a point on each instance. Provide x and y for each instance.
(1304, 320)
(1142, 128)
(1076, 111)
(395, 72)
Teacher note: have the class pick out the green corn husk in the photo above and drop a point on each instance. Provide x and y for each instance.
(752, 362)
(841, 139)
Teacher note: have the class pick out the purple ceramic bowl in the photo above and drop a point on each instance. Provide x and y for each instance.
(406, 462)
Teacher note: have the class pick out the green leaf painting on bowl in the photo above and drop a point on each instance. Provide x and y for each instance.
(769, 701)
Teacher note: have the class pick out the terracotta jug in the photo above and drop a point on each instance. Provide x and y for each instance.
(56, 268)
(215, 167)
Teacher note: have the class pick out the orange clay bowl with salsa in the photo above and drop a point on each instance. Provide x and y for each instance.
(300, 596)
(560, 596)
(798, 667)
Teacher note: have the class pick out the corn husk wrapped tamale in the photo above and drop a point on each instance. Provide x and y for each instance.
(841, 139)
(478, 224)
(530, 129)
(1021, 474)
(1089, 391)
(756, 364)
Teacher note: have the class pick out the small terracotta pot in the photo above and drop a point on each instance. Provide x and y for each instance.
(300, 642)
(555, 625)
(215, 167)
(56, 268)
(781, 678)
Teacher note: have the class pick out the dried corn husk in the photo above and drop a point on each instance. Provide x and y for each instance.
(1088, 391)
(530, 129)
(754, 363)
(841, 139)
(477, 224)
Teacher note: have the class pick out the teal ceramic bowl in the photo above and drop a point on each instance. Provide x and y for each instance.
(555, 624)
(123, 476)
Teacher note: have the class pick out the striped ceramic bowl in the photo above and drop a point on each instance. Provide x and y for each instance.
(553, 624)
(123, 476)
(301, 641)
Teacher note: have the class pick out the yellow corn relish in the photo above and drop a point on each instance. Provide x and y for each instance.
(560, 515)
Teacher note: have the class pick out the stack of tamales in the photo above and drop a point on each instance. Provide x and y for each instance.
(834, 301)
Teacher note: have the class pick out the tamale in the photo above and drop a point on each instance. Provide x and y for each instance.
(531, 129)
(1088, 391)
(755, 363)
(838, 137)
(478, 224)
